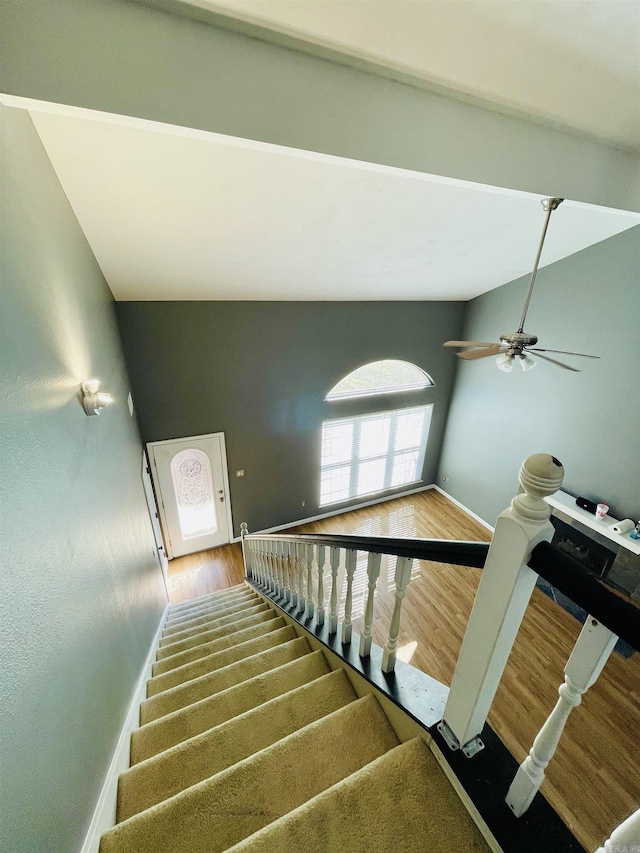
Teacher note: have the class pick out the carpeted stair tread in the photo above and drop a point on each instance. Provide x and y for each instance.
(401, 802)
(210, 634)
(194, 760)
(210, 648)
(203, 607)
(213, 607)
(218, 613)
(162, 734)
(213, 815)
(210, 624)
(214, 682)
(218, 594)
(199, 601)
(218, 660)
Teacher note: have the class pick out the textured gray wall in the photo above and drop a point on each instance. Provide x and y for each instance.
(589, 420)
(259, 372)
(125, 57)
(82, 593)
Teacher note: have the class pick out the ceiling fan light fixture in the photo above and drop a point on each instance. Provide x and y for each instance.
(526, 362)
(505, 362)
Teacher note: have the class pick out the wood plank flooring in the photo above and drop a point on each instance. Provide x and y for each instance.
(593, 780)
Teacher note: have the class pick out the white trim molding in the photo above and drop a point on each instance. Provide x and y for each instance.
(104, 815)
(465, 508)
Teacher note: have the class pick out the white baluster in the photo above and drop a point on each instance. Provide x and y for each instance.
(252, 558)
(402, 578)
(321, 559)
(373, 573)
(505, 588)
(286, 571)
(293, 571)
(350, 567)
(334, 558)
(301, 551)
(255, 559)
(264, 578)
(273, 582)
(277, 550)
(625, 837)
(589, 655)
(309, 612)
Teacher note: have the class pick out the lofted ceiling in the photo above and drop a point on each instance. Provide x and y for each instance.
(176, 214)
(574, 63)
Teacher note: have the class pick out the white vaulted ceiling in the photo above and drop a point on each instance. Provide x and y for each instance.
(575, 63)
(176, 214)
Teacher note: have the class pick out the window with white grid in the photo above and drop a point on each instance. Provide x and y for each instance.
(367, 454)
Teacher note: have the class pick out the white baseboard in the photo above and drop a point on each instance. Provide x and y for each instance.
(341, 511)
(104, 815)
(465, 508)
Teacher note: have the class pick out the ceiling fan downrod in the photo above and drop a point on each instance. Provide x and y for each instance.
(549, 205)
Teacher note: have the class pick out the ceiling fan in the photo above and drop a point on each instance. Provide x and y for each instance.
(518, 345)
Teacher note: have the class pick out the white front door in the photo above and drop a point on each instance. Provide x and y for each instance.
(190, 477)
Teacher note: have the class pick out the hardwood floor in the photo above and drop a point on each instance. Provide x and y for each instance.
(593, 780)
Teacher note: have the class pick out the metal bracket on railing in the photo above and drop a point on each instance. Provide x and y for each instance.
(471, 748)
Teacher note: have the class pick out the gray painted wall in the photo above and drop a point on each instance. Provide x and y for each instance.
(82, 593)
(589, 420)
(259, 372)
(125, 57)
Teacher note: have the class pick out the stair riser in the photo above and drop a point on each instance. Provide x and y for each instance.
(183, 624)
(221, 811)
(212, 624)
(203, 609)
(219, 595)
(219, 645)
(187, 764)
(209, 634)
(218, 660)
(154, 738)
(221, 679)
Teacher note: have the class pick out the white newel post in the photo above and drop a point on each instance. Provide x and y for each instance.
(624, 838)
(589, 655)
(502, 598)
(402, 578)
(244, 531)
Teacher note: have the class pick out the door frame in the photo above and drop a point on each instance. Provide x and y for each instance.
(156, 480)
(152, 505)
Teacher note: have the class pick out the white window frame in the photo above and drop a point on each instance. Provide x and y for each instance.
(390, 454)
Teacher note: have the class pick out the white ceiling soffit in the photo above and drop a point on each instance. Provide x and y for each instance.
(176, 214)
(575, 63)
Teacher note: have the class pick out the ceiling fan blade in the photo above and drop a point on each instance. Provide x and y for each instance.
(493, 349)
(468, 344)
(553, 361)
(563, 352)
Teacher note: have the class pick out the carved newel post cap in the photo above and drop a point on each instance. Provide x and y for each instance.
(540, 475)
(244, 529)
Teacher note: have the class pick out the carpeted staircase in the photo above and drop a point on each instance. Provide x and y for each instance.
(250, 743)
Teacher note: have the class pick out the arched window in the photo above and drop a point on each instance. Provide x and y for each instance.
(371, 453)
(380, 377)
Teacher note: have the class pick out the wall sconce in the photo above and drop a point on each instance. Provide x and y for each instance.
(92, 401)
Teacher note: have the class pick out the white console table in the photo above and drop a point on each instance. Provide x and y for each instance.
(567, 504)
